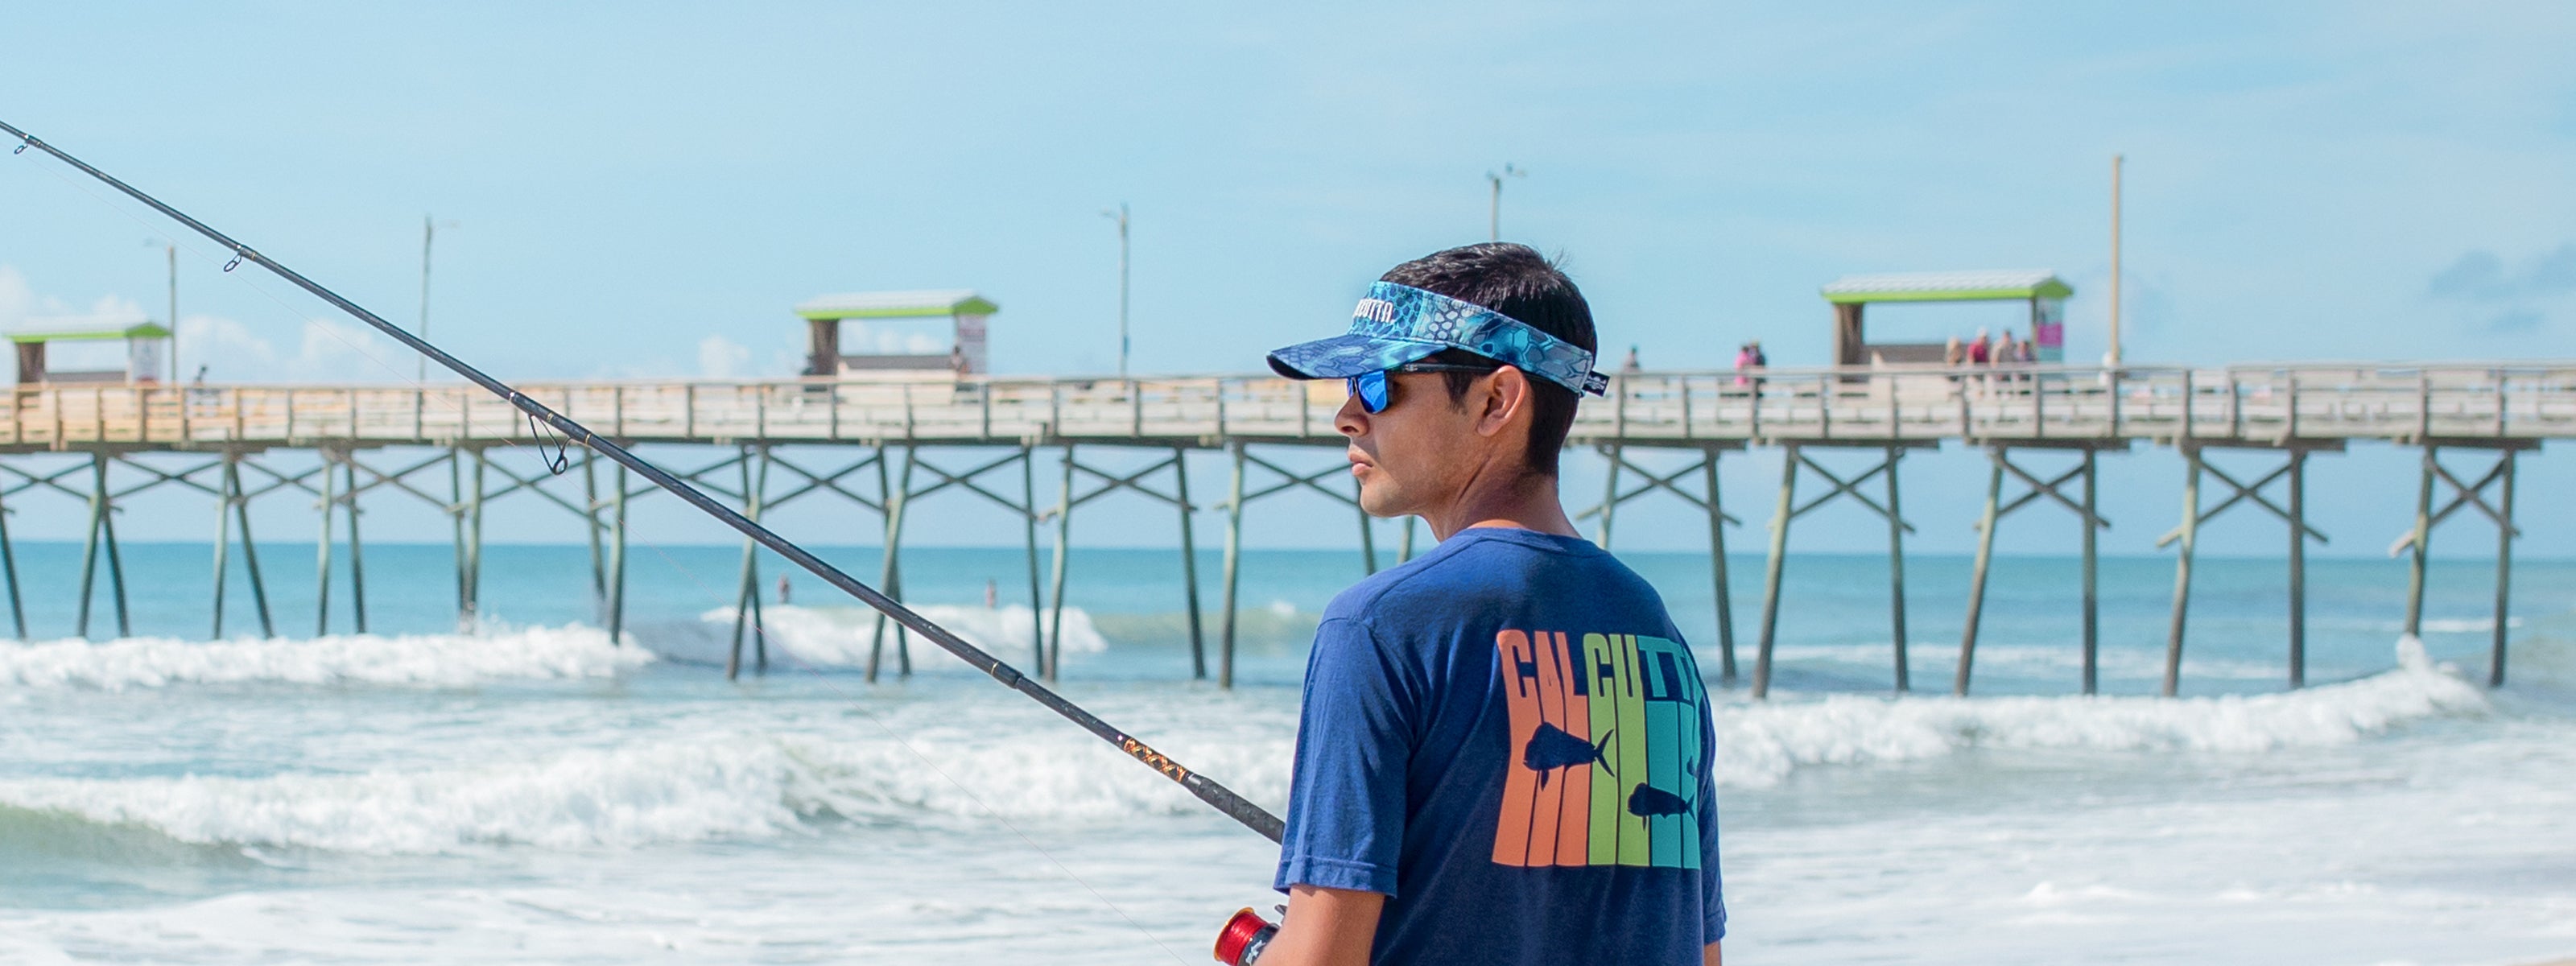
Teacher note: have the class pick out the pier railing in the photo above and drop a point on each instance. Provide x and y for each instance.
(2258, 404)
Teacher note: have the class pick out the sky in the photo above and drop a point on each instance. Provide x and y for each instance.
(646, 192)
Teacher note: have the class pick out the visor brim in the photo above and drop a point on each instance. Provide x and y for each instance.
(1349, 354)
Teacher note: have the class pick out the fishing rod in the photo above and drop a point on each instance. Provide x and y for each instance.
(1208, 790)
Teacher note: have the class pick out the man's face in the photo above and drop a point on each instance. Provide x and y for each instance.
(1416, 454)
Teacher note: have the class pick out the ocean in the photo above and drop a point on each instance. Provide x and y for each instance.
(526, 791)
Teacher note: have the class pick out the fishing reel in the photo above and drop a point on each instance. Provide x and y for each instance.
(1244, 937)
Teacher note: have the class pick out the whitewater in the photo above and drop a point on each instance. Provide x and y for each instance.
(535, 792)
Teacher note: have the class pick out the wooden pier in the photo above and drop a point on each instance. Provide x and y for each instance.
(1848, 429)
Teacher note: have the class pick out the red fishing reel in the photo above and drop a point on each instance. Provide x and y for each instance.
(1244, 937)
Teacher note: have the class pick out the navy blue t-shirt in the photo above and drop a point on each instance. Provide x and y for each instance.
(1508, 738)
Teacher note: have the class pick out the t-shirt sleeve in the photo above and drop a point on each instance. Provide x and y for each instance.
(1346, 793)
(1712, 885)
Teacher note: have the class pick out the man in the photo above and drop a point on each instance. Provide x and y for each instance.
(1503, 755)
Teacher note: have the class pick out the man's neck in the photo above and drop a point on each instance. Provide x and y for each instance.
(1500, 496)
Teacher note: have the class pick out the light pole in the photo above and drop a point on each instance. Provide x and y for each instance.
(1120, 216)
(170, 250)
(428, 232)
(1494, 206)
(2114, 359)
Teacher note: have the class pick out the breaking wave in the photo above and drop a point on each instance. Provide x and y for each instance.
(571, 651)
(1760, 744)
(764, 784)
(739, 786)
(842, 635)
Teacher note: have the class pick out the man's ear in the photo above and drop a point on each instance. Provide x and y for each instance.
(1501, 399)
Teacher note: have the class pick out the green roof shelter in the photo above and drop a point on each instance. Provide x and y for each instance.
(824, 314)
(145, 343)
(2042, 290)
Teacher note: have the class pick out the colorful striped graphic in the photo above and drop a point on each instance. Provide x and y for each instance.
(1606, 750)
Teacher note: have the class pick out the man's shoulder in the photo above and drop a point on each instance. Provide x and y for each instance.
(1478, 567)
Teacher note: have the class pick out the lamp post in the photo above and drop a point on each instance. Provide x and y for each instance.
(1120, 216)
(2114, 359)
(428, 232)
(170, 250)
(1494, 206)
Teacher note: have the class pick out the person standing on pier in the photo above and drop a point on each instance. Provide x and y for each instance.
(1503, 753)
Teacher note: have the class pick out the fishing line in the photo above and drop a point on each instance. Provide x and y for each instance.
(557, 463)
(1205, 789)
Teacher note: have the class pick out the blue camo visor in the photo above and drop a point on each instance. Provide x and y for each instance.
(1397, 324)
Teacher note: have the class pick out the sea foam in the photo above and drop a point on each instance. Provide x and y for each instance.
(727, 786)
(1759, 744)
(572, 651)
(761, 784)
(843, 635)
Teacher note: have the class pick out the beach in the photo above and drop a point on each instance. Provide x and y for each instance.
(529, 792)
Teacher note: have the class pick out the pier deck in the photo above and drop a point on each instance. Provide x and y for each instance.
(925, 436)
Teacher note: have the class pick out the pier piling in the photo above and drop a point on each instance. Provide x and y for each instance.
(2000, 458)
(322, 549)
(9, 571)
(2499, 474)
(1707, 501)
(1233, 567)
(2293, 469)
(1793, 459)
(1190, 561)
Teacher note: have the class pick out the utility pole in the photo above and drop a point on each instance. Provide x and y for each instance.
(1494, 207)
(172, 251)
(2114, 360)
(428, 231)
(1120, 216)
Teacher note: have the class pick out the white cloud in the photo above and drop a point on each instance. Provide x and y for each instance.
(15, 297)
(326, 350)
(723, 358)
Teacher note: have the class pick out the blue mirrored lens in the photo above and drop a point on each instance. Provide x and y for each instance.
(1370, 387)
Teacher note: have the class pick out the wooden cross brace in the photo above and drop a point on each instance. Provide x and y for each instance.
(1850, 487)
(826, 481)
(2048, 488)
(966, 481)
(281, 481)
(1292, 480)
(2245, 492)
(2462, 494)
(535, 485)
(1665, 482)
(52, 481)
(1112, 482)
(160, 476)
(396, 479)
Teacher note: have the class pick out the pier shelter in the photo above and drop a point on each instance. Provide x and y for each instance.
(967, 311)
(1850, 294)
(146, 346)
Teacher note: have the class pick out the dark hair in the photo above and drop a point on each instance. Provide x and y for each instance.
(1517, 281)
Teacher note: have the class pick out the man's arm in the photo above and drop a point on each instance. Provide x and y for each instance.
(1326, 927)
(1708, 956)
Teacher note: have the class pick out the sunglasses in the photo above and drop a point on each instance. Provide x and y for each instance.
(1374, 393)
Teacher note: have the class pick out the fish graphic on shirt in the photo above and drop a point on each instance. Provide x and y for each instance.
(1608, 743)
(1648, 801)
(1551, 748)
